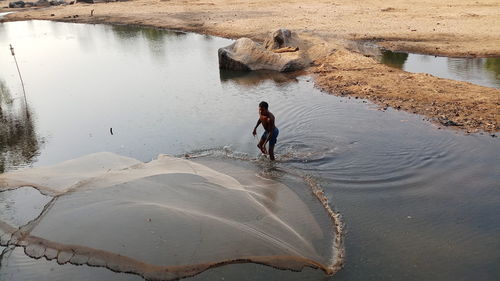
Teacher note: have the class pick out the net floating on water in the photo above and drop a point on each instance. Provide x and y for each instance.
(169, 218)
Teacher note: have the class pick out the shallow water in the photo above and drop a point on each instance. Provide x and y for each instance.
(480, 71)
(22, 205)
(418, 202)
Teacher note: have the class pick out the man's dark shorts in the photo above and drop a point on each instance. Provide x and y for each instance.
(274, 136)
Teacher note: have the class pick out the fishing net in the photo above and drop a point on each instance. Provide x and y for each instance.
(169, 218)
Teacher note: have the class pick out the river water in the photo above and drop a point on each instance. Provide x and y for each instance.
(417, 202)
(480, 71)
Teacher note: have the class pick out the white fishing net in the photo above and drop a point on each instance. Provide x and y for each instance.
(170, 218)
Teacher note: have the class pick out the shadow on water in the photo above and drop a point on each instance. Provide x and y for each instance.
(18, 142)
(253, 78)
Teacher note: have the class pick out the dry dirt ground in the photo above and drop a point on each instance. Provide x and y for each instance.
(464, 28)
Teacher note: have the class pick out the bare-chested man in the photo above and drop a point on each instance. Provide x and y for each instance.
(271, 132)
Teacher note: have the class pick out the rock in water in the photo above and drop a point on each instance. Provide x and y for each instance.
(228, 56)
(245, 54)
(280, 53)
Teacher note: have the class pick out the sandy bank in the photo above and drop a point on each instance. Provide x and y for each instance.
(440, 27)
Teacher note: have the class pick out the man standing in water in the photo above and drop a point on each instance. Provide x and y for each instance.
(271, 132)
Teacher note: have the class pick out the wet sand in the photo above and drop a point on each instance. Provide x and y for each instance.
(438, 27)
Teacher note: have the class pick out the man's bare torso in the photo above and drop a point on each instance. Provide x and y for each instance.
(267, 121)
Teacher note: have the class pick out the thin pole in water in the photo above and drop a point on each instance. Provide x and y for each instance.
(20, 77)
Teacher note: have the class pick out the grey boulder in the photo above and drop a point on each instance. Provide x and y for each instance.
(245, 54)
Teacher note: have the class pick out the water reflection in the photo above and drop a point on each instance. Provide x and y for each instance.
(18, 143)
(481, 71)
(150, 33)
(394, 59)
(253, 78)
(155, 37)
(125, 32)
(493, 65)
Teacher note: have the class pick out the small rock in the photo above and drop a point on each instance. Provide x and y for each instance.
(42, 3)
(281, 38)
(56, 2)
(17, 4)
(451, 123)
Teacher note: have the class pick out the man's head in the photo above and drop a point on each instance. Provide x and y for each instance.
(263, 106)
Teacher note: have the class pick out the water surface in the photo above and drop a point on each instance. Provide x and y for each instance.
(418, 203)
(481, 71)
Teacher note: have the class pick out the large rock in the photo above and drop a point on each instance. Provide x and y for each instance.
(281, 39)
(245, 54)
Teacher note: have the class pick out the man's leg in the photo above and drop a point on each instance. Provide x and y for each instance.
(272, 142)
(261, 145)
(271, 152)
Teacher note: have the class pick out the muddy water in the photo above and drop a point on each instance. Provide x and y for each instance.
(417, 202)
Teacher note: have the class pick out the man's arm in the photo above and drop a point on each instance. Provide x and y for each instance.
(255, 129)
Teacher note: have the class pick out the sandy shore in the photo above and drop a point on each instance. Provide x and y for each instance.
(440, 27)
